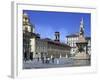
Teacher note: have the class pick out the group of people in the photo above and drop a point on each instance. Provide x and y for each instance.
(26, 58)
(43, 59)
(47, 60)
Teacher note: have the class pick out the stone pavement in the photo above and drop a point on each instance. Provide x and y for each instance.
(62, 62)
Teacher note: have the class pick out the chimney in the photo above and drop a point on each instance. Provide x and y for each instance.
(57, 36)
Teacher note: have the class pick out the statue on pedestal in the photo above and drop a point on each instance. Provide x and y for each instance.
(82, 52)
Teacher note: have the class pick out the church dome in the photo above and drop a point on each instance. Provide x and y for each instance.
(27, 24)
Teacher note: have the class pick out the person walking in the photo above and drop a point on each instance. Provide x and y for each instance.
(31, 56)
(52, 59)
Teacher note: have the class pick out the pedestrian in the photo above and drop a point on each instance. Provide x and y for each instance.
(52, 59)
(25, 56)
(43, 60)
(31, 56)
(38, 59)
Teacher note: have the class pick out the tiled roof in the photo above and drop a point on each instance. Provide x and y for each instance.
(55, 42)
(72, 35)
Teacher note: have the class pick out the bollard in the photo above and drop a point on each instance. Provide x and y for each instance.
(57, 61)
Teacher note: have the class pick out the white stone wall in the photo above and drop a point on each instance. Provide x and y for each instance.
(71, 41)
(33, 46)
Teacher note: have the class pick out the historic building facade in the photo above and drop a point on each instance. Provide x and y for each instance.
(27, 35)
(71, 41)
(56, 48)
(35, 47)
(50, 48)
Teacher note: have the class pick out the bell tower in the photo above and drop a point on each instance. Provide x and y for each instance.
(57, 36)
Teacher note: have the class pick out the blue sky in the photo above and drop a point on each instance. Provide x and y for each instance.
(47, 22)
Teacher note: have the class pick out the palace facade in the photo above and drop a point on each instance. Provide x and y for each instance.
(36, 47)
